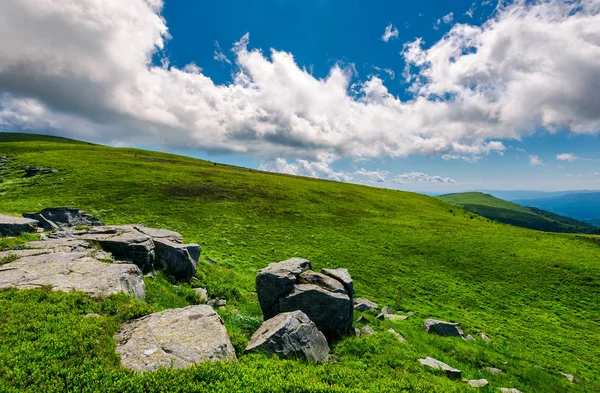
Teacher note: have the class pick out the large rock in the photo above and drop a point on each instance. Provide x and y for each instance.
(321, 280)
(278, 280)
(442, 328)
(15, 226)
(174, 338)
(330, 311)
(72, 272)
(63, 216)
(175, 258)
(290, 334)
(438, 365)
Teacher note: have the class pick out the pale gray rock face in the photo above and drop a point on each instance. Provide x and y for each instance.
(321, 280)
(509, 390)
(174, 258)
(276, 281)
(14, 226)
(202, 294)
(367, 331)
(22, 253)
(74, 271)
(392, 317)
(436, 364)
(160, 234)
(60, 245)
(476, 383)
(397, 335)
(330, 311)
(494, 371)
(176, 338)
(63, 216)
(469, 337)
(485, 337)
(290, 334)
(342, 276)
(442, 328)
(387, 310)
(362, 304)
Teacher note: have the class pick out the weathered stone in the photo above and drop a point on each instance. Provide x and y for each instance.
(485, 337)
(342, 276)
(217, 302)
(392, 317)
(174, 338)
(362, 304)
(37, 170)
(509, 390)
(436, 364)
(22, 253)
(125, 244)
(202, 294)
(468, 337)
(442, 328)
(569, 377)
(72, 272)
(494, 371)
(65, 216)
(290, 334)
(60, 245)
(387, 310)
(15, 226)
(397, 335)
(328, 310)
(174, 259)
(321, 280)
(276, 281)
(367, 331)
(160, 234)
(476, 383)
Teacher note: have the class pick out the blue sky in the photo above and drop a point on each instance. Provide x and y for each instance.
(497, 96)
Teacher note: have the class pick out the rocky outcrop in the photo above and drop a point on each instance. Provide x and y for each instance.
(174, 338)
(362, 304)
(175, 258)
(442, 328)
(73, 271)
(15, 226)
(436, 364)
(290, 335)
(325, 298)
(53, 217)
(37, 170)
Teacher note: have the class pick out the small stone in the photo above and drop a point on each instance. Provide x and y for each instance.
(569, 377)
(494, 371)
(367, 331)
(442, 328)
(394, 317)
(468, 337)
(387, 310)
(485, 337)
(92, 315)
(436, 364)
(362, 319)
(509, 390)
(362, 304)
(397, 335)
(476, 383)
(202, 294)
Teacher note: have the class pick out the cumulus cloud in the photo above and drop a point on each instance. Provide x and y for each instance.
(419, 177)
(390, 33)
(84, 69)
(447, 19)
(376, 176)
(535, 161)
(306, 168)
(566, 157)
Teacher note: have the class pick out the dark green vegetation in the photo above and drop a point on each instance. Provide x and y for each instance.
(511, 213)
(582, 206)
(534, 293)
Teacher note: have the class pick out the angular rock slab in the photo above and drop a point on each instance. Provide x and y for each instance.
(63, 216)
(15, 226)
(175, 258)
(436, 364)
(174, 338)
(330, 311)
(343, 276)
(362, 304)
(290, 334)
(442, 328)
(321, 280)
(276, 281)
(73, 272)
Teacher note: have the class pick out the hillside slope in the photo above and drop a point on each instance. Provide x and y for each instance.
(534, 293)
(514, 214)
(581, 206)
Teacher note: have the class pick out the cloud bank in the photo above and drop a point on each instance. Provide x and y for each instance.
(85, 69)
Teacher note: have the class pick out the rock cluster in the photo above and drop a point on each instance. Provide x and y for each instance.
(326, 298)
(37, 170)
(53, 218)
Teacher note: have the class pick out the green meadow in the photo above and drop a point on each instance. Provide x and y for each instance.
(536, 294)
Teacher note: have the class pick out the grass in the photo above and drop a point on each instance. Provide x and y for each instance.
(511, 213)
(534, 293)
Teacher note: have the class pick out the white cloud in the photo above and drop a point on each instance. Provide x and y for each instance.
(419, 177)
(447, 19)
(597, 174)
(376, 176)
(84, 69)
(306, 168)
(391, 74)
(219, 55)
(471, 159)
(535, 161)
(566, 157)
(390, 33)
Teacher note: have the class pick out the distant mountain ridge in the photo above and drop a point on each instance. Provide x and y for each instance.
(515, 214)
(581, 206)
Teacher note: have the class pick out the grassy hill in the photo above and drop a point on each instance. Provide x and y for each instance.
(534, 293)
(511, 213)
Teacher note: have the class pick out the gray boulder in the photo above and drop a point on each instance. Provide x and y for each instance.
(330, 311)
(175, 258)
(321, 280)
(74, 271)
(436, 364)
(15, 226)
(278, 280)
(174, 338)
(290, 334)
(442, 328)
(362, 304)
(63, 216)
